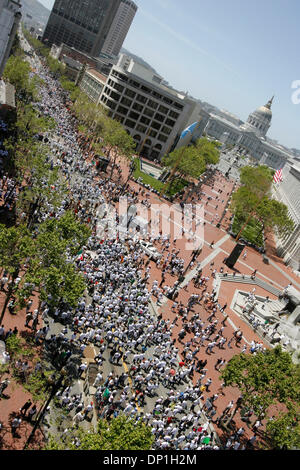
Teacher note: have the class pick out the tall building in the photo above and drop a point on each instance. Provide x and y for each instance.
(119, 28)
(82, 24)
(151, 112)
(10, 15)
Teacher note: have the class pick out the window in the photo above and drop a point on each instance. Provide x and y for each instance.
(129, 123)
(134, 115)
(145, 120)
(153, 134)
(159, 117)
(166, 130)
(141, 98)
(156, 125)
(152, 104)
(137, 107)
(148, 112)
(110, 103)
(141, 128)
(163, 109)
(145, 89)
(122, 110)
(115, 96)
(135, 84)
(162, 138)
(126, 101)
(174, 115)
(129, 93)
(118, 87)
(168, 100)
(169, 122)
(157, 95)
(178, 106)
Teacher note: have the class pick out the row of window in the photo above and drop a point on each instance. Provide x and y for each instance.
(138, 106)
(147, 90)
(132, 125)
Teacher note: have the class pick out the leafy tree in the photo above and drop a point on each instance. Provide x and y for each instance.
(257, 179)
(253, 199)
(17, 72)
(265, 380)
(16, 246)
(51, 273)
(209, 150)
(121, 433)
(116, 138)
(284, 431)
(187, 161)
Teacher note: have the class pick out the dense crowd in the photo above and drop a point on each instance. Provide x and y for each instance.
(118, 317)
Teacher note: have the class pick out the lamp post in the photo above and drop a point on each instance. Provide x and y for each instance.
(56, 385)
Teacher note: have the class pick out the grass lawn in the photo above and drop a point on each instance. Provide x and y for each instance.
(177, 185)
(252, 231)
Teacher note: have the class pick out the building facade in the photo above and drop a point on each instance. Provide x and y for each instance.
(250, 137)
(10, 16)
(288, 192)
(151, 112)
(82, 24)
(92, 83)
(119, 28)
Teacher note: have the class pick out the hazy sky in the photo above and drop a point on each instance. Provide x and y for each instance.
(233, 54)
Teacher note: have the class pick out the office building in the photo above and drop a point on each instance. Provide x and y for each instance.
(152, 113)
(10, 16)
(119, 28)
(82, 24)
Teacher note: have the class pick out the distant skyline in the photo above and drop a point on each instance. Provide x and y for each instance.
(235, 55)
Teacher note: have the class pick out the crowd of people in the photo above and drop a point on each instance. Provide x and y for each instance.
(140, 371)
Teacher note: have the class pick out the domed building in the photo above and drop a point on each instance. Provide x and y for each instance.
(260, 120)
(250, 137)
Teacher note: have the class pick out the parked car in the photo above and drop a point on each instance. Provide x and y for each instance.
(150, 250)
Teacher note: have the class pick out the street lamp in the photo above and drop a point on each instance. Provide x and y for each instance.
(62, 381)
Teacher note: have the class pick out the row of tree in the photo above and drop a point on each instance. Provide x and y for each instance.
(254, 199)
(37, 256)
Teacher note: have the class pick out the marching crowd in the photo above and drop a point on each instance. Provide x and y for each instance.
(117, 316)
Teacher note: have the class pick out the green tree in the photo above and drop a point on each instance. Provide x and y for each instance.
(51, 273)
(17, 72)
(16, 246)
(116, 138)
(120, 433)
(265, 380)
(209, 150)
(253, 199)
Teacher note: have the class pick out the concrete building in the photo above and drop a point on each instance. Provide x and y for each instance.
(250, 137)
(151, 112)
(83, 25)
(103, 63)
(119, 28)
(288, 192)
(92, 83)
(10, 16)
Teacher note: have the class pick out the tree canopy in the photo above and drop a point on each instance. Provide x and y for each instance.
(253, 198)
(120, 433)
(266, 380)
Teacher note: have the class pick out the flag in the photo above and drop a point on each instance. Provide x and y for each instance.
(277, 176)
(190, 129)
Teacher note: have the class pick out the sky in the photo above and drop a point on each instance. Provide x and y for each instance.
(234, 54)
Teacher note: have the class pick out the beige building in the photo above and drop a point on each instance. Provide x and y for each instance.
(119, 28)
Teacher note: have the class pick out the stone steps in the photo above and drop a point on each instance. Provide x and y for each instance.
(248, 280)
